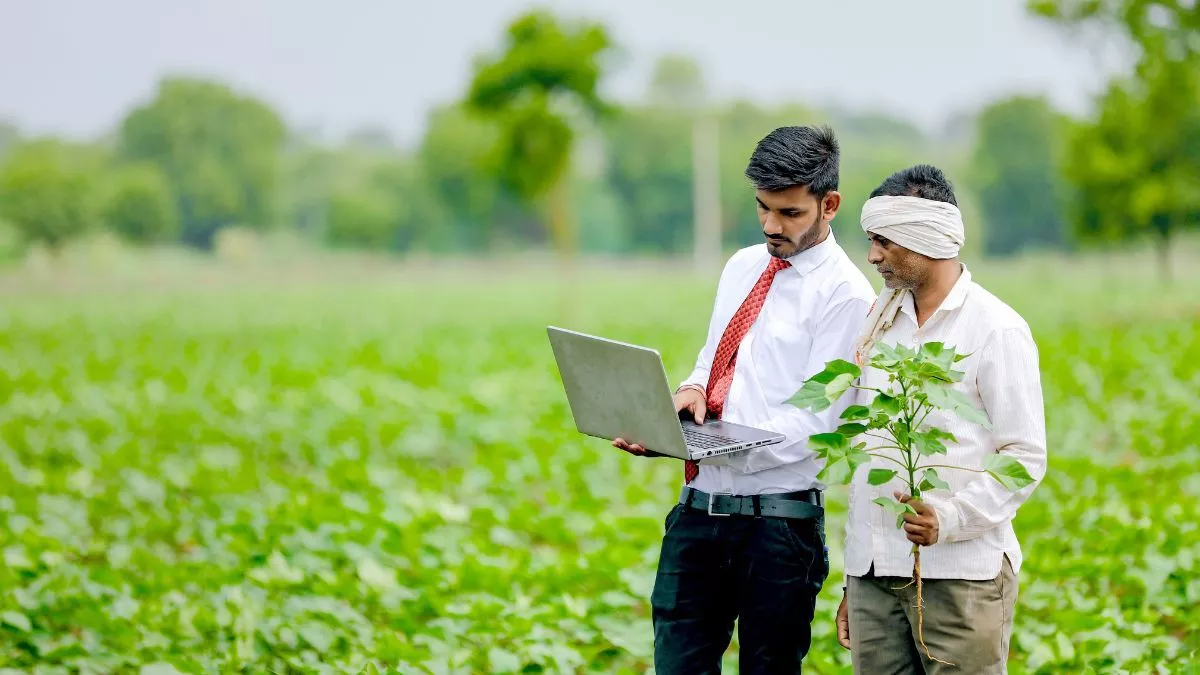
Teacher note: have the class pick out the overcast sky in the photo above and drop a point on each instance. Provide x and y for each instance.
(75, 66)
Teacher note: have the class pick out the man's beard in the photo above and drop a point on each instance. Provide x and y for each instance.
(806, 241)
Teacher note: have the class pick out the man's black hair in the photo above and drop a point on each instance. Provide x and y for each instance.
(791, 156)
(922, 180)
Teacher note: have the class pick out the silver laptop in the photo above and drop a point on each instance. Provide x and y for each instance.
(619, 390)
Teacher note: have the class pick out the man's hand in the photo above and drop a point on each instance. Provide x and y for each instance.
(921, 528)
(634, 448)
(843, 624)
(691, 399)
(688, 398)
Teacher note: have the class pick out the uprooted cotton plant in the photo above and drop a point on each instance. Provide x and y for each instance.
(919, 382)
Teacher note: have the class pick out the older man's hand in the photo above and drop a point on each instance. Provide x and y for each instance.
(922, 527)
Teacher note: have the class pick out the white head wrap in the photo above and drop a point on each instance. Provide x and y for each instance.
(929, 227)
(925, 226)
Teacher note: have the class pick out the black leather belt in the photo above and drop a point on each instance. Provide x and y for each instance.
(805, 504)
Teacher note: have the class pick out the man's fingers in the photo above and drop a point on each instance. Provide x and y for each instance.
(913, 528)
(698, 409)
(901, 497)
(634, 449)
(843, 624)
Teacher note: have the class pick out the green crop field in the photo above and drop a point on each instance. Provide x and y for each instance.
(312, 477)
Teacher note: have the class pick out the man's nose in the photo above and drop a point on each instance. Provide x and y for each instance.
(771, 225)
(875, 254)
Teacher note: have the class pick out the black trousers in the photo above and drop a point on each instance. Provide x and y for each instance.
(763, 572)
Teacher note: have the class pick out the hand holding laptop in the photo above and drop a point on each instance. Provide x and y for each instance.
(689, 399)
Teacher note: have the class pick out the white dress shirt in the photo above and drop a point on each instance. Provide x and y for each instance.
(975, 517)
(811, 315)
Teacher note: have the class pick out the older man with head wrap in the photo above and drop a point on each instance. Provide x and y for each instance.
(973, 559)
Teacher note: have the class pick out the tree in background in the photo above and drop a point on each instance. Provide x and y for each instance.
(1161, 30)
(218, 149)
(362, 218)
(46, 191)
(10, 135)
(650, 161)
(537, 90)
(1136, 167)
(139, 206)
(1017, 174)
(458, 164)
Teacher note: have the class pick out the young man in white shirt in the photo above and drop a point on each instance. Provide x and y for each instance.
(783, 309)
(972, 557)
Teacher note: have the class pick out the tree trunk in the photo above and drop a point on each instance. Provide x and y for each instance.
(706, 195)
(562, 225)
(563, 238)
(1163, 247)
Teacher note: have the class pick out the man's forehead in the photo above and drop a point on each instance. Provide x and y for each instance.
(795, 196)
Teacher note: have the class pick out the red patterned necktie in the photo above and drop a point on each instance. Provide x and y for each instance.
(720, 376)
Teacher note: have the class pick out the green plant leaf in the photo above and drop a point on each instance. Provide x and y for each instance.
(857, 457)
(929, 442)
(880, 476)
(821, 390)
(851, 429)
(939, 355)
(316, 634)
(159, 668)
(948, 398)
(932, 481)
(1011, 473)
(837, 472)
(16, 620)
(839, 385)
(829, 446)
(895, 507)
(886, 404)
(856, 412)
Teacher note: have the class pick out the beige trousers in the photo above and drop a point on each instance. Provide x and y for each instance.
(967, 623)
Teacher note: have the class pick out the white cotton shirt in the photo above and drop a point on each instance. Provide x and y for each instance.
(975, 517)
(812, 314)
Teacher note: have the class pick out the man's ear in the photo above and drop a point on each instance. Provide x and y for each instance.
(831, 203)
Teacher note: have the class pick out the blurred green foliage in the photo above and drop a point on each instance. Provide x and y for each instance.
(305, 477)
(1017, 171)
(47, 191)
(1136, 165)
(219, 151)
(543, 85)
(139, 205)
(531, 156)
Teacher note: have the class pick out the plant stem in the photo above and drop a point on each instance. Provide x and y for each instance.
(893, 460)
(947, 466)
(921, 605)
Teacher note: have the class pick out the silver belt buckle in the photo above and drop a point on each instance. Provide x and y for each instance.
(711, 497)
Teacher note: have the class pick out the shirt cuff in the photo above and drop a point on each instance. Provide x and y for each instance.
(949, 525)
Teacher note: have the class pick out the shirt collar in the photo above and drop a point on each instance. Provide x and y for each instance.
(811, 258)
(954, 299)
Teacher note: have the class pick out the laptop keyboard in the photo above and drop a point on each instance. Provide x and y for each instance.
(705, 440)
